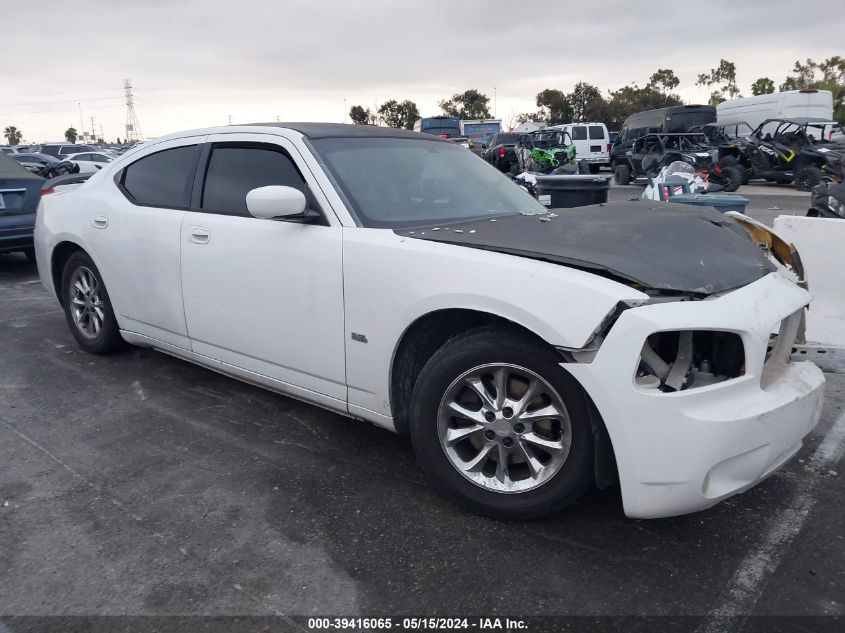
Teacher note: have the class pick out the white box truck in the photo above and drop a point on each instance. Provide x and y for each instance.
(809, 103)
(479, 131)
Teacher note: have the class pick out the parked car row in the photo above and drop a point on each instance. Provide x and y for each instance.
(48, 166)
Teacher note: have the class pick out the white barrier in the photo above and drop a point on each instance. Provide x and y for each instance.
(820, 242)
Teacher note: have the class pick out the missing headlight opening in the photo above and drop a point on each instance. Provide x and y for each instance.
(685, 359)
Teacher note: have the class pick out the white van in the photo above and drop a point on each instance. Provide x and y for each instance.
(809, 103)
(592, 143)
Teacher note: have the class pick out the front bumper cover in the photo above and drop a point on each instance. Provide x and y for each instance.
(685, 451)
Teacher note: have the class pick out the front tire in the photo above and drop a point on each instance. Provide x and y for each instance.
(88, 308)
(500, 428)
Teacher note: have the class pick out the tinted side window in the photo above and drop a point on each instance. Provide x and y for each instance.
(160, 179)
(596, 132)
(233, 171)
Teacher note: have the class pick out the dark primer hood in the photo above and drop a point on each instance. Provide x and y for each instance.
(672, 248)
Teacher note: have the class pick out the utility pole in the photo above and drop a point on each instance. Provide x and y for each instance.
(133, 128)
(230, 119)
(93, 130)
(494, 102)
(81, 121)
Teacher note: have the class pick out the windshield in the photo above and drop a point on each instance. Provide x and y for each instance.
(398, 182)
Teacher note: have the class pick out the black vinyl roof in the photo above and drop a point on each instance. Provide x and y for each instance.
(346, 130)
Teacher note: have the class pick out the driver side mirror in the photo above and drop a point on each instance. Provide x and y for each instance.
(275, 201)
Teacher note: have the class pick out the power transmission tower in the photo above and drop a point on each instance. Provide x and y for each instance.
(133, 128)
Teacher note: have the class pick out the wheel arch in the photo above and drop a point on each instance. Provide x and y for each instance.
(423, 337)
(430, 331)
(58, 258)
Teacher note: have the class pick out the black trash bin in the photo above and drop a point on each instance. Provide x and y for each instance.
(567, 191)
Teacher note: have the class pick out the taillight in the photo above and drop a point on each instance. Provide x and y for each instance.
(501, 152)
(443, 135)
(609, 145)
(48, 190)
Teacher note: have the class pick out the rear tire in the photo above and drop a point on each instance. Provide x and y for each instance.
(30, 255)
(88, 308)
(808, 177)
(731, 177)
(622, 175)
(594, 169)
(508, 463)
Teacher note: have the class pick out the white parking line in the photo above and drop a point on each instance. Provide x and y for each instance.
(749, 580)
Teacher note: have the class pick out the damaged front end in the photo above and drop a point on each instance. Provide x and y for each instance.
(677, 360)
(782, 253)
(685, 359)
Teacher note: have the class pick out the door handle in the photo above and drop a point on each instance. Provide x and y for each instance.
(99, 221)
(199, 235)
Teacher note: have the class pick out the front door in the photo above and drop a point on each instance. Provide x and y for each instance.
(265, 296)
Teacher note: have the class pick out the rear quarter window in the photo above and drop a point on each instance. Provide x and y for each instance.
(160, 179)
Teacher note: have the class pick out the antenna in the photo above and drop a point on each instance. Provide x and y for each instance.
(133, 128)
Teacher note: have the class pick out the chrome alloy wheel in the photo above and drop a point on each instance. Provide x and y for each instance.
(504, 428)
(86, 303)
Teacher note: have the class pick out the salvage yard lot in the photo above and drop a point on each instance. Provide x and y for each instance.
(141, 484)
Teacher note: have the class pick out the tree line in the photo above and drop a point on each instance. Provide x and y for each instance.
(586, 102)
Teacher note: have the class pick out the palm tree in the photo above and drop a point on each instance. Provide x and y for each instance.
(13, 135)
(70, 135)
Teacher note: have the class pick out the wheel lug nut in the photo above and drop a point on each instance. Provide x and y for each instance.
(508, 442)
(507, 412)
(490, 435)
(519, 427)
(489, 416)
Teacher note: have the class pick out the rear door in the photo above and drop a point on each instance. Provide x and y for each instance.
(136, 229)
(599, 143)
(265, 296)
(580, 139)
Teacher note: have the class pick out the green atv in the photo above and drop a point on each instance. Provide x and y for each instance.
(543, 151)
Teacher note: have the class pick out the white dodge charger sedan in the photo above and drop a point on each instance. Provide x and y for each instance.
(396, 278)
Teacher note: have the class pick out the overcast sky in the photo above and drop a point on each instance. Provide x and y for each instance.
(195, 63)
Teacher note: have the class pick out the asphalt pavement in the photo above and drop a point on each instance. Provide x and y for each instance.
(141, 484)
